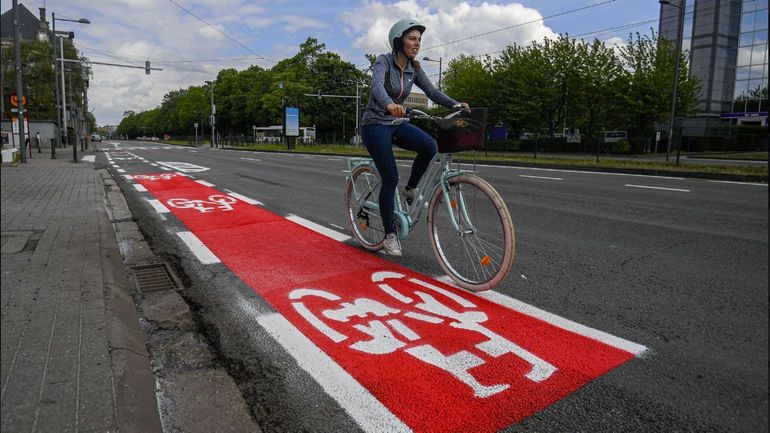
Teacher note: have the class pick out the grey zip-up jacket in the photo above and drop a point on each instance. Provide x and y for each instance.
(395, 90)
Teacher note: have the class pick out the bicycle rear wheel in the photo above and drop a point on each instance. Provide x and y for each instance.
(479, 255)
(364, 221)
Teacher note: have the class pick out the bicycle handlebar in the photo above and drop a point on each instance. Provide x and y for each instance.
(414, 113)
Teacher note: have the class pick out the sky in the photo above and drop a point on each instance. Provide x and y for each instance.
(191, 40)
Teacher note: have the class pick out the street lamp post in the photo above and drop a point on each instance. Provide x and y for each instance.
(680, 31)
(212, 119)
(63, 104)
(439, 69)
(19, 87)
(283, 114)
(254, 127)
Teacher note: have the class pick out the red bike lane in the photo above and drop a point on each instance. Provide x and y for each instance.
(439, 358)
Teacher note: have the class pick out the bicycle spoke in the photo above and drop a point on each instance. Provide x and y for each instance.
(364, 223)
(477, 252)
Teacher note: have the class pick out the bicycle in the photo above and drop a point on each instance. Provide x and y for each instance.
(470, 227)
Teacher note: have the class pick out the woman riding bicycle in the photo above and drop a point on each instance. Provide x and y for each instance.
(392, 79)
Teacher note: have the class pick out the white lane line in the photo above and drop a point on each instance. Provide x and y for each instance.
(153, 164)
(358, 402)
(561, 170)
(114, 165)
(89, 158)
(558, 321)
(540, 177)
(120, 170)
(252, 159)
(577, 328)
(335, 225)
(140, 188)
(158, 206)
(128, 176)
(739, 183)
(165, 168)
(345, 171)
(657, 187)
(333, 159)
(318, 228)
(197, 247)
(204, 183)
(244, 198)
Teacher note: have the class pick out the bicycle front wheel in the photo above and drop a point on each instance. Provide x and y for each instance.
(478, 251)
(361, 197)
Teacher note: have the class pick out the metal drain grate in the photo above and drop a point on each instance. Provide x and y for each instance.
(154, 278)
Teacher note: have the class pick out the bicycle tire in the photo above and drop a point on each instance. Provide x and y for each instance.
(367, 228)
(475, 260)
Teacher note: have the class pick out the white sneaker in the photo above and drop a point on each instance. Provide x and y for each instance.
(392, 245)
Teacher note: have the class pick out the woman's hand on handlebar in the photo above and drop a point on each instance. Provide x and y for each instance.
(463, 105)
(396, 110)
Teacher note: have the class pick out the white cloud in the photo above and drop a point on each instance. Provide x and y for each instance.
(446, 23)
(616, 43)
(295, 23)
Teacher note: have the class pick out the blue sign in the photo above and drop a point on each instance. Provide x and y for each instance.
(291, 120)
(499, 133)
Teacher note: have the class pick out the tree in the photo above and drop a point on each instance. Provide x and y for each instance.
(468, 79)
(38, 84)
(651, 61)
(604, 83)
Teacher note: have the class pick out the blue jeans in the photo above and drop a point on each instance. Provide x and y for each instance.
(379, 141)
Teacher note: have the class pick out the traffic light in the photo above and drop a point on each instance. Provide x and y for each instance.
(147, 67)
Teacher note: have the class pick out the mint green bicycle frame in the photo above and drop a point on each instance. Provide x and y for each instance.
(436, 176)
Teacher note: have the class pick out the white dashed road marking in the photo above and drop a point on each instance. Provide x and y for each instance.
(197, 247)
(657, 187)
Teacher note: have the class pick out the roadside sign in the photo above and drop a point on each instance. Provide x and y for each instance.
(433, 357)
(292, 121)
(15, 125)
(15, 100)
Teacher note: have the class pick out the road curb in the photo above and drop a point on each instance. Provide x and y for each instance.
(136, 404)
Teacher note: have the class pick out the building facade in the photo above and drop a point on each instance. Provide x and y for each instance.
(726, 42)
(416, 100)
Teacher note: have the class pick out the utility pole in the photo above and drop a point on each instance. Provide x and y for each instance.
(358, 103)
(63, 91)
(213, 113)
(19, 88)
(57, 139)
(680, 32)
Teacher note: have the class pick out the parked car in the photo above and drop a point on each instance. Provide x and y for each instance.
(96, 137)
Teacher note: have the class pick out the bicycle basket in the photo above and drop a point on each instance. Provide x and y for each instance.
(464, 132)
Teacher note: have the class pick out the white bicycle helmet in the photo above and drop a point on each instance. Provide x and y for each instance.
(402, 27)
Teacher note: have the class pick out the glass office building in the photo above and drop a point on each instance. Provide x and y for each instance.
(727, 45)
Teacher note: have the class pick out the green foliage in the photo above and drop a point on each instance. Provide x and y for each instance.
(255, 97)
(621, 146)
(547, 86)
(38, 77)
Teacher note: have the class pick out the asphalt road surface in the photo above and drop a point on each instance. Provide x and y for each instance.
(675, 266)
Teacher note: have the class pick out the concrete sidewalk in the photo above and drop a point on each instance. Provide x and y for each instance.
(73, 354)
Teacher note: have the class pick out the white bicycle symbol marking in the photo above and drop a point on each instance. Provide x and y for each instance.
(163, 176)
(217, 201)
(391, 333)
